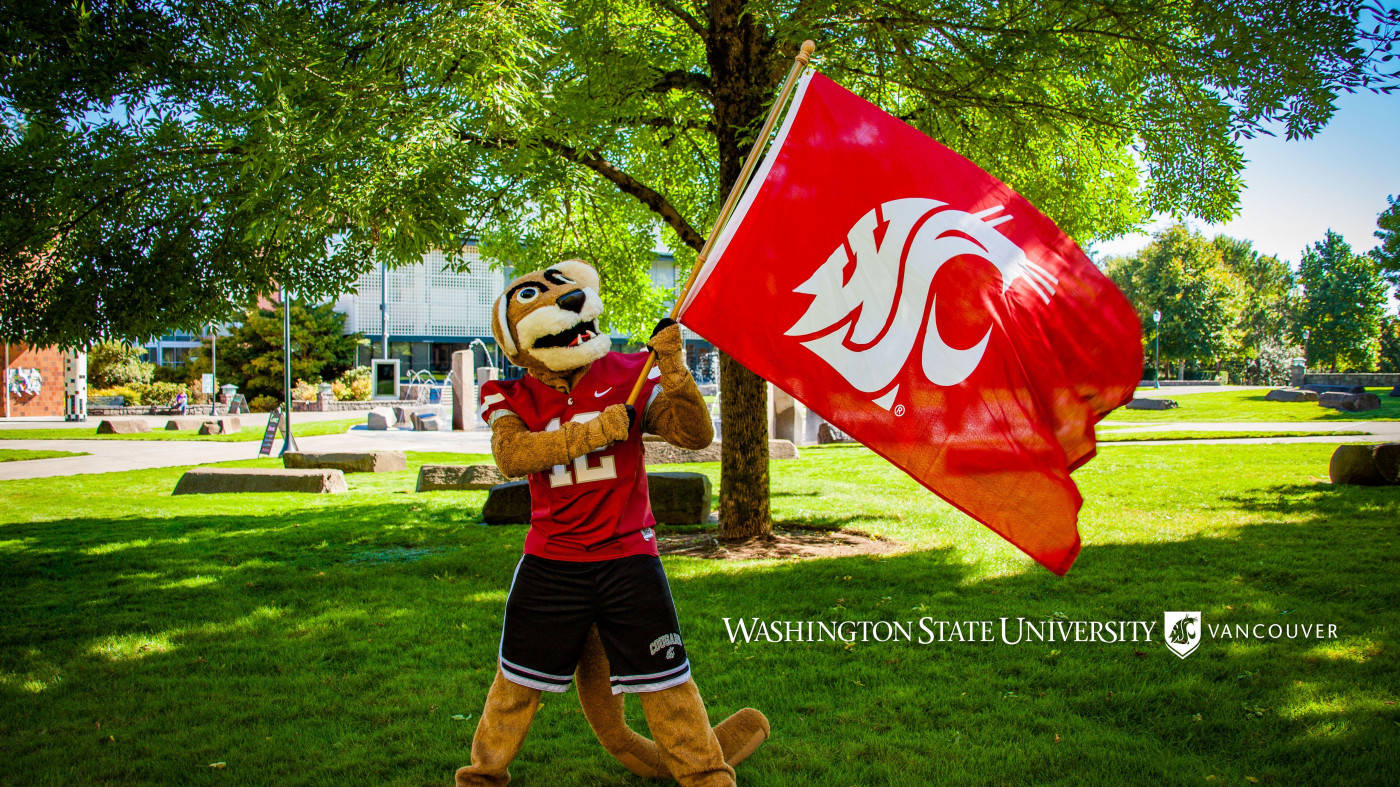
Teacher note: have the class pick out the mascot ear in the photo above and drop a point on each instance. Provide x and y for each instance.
(581, 272)
(500, 327)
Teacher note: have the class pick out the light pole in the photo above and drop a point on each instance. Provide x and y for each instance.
(1307, 332)
(286, 370)
(1156, 349)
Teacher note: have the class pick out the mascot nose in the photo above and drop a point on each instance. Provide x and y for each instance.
(573, 301)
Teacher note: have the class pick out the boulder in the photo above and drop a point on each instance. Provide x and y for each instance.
(185, 423)
(225, 425)
(679, 498)
(1354, 463)
(380, 418)
(1386, 457)
(122, 426)
(659, 452)
(781, 449)
(1290, 395)
(425, 421)
(440, 478)
(1152, 404)
(826, 434)
(1349, 402)
(348, 462)
(507, 504)
(676, 499)
(214, 480)
(402, 417)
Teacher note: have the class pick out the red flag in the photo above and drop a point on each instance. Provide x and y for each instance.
(925, 309)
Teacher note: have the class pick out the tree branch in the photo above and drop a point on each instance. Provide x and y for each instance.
(683, 80)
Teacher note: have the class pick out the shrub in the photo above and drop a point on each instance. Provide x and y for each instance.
(305, 391)
(353, 385)
(263, 404)
(130, 395)
(112, 363)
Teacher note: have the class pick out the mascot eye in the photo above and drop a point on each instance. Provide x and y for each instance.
(553, 276)
(526, 294)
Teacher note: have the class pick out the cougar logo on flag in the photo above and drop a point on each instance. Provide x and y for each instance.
(1183, 632)
(897, 249)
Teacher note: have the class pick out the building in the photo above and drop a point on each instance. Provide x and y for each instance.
(34, 381)
(434, 311)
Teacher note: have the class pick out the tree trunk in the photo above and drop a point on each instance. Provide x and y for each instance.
(743, 483)
(745, 79)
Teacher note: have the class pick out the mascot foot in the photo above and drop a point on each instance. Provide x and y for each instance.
(689, 748)
(741, 734)
(506, 718)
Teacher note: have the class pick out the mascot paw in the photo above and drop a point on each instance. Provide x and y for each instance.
(741, 734)
(666, 338)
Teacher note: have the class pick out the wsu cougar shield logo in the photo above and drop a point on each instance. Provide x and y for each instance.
(1183, 632)
(889, 290)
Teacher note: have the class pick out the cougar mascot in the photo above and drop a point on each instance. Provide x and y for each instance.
(589, 597)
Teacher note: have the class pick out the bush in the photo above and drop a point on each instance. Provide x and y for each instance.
(112, 363)
(169, 374)
(305, 391)
(353, 385)
(263, 404)
(130, 395)
(161, 394)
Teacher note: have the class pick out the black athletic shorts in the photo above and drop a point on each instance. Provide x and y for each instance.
(553, 602)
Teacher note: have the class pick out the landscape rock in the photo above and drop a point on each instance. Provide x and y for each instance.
(826, 434)
(348, 462)
(380, 418)
(781, 449)
(402, 417)
(676, 499)
(1152, 404)
(122, 426)
(1386, 457)
(1354, 463)
(507, 504)
(225, 425)
(214, 480)
(185, 423)
(1291, 395)
(659, 452)
(426, 421)
(441, 478)
(679, 498)
(1349, 402)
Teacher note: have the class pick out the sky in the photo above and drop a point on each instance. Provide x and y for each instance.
(1295, 191)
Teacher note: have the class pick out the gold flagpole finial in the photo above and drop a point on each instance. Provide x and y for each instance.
(805, 56)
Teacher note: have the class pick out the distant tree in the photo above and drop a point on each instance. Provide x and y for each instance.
(1184, 276)
(1343, 302)
(1390, 345)
(113, 363)
(1264, 310)
(1387, 253)
(251, 355)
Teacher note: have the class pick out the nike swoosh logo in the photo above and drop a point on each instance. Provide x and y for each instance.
(602, 393)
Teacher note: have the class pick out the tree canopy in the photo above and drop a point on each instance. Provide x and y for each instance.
(1344, 301)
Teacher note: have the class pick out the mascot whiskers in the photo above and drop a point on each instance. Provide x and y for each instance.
(589, 598)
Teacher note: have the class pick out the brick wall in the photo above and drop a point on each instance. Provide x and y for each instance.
(49, 362)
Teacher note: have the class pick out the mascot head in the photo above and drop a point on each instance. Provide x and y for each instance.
(549, 319)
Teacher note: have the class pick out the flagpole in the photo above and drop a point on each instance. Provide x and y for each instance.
(803, 59)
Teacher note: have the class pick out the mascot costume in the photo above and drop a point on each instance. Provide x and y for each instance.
(589, 597)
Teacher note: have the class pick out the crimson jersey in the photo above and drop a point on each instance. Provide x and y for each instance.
(595, 507)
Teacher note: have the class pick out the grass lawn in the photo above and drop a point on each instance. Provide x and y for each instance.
(1250, 406)
(247, 434)
(18, 455)
(351, 639)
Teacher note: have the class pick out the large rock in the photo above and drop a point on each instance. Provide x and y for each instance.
(425, 421)
(348, 462)
(679, 498)
(659, 452)
(1152, 404)
(676, 499)
(827, 434)
(1290, 395)
(213, 480)
(507, 504)
(185, 423)
(122, 426)
(439, 478)
(1350, 402)
(380, 418)
(1386, 457)
(1354, 463)
(224, 425)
